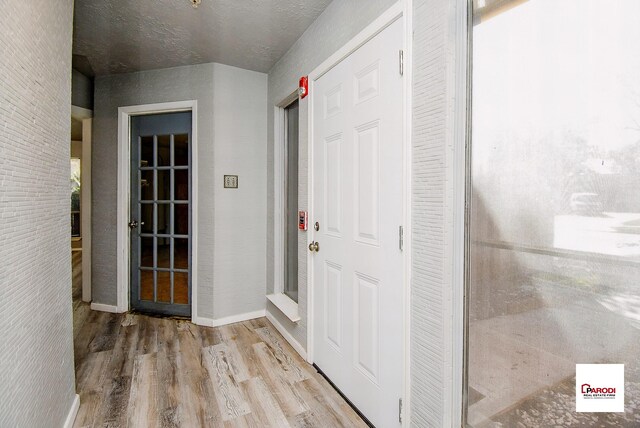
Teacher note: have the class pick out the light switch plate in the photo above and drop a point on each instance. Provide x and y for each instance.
(230, 181)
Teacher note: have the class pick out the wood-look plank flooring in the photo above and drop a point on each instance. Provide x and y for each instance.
(141, 371)
(76, 277)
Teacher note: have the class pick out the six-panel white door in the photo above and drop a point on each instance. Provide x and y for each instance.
(358, 203)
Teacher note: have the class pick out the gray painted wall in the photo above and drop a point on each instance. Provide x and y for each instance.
(37, 379)
(231, 124)
(81, 90)
(240, 131)
(339, 23)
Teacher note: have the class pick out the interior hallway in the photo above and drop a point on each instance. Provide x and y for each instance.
(139, 371)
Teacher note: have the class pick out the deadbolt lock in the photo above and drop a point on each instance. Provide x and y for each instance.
(316, 226)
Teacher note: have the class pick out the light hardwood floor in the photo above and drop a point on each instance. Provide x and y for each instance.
(140, 371)
(76, 278)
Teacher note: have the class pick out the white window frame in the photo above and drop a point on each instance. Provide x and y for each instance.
(280, 300)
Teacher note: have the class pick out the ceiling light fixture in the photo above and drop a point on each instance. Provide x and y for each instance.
(195, 3)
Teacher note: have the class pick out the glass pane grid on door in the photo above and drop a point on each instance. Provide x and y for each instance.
(163, 200)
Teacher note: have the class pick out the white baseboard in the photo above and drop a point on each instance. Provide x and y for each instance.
(205, 322)
(288, 337)
(208, 322)
(73, 411)
(104, 308)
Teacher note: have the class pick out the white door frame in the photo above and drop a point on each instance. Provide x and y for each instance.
(86, 116)
(85, 208)
(124, 189)
(400, 10)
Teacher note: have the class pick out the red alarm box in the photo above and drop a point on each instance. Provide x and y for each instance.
(302, 220)
(303, 87)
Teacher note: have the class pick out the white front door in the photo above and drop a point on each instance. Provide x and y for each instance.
(358, 204)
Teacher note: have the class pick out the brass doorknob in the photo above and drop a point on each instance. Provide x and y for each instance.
(314, 246)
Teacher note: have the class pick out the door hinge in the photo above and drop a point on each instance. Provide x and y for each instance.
(401, 238)
(400, 410)
(401, 60)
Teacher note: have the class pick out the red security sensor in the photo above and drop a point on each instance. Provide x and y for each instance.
(303, 87)
(302, 220)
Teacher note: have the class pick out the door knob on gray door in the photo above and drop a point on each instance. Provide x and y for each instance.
(133, 224)
(314, 246)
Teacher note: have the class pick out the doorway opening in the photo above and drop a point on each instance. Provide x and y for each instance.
(160, 241)
(80, 203)
(157, 209)
(356, 251)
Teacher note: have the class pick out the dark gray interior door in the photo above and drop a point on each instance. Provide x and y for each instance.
(160, 220)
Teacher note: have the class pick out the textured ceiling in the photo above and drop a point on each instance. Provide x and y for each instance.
(118, 36)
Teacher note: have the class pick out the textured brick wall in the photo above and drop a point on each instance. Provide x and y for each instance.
(435, 190)
(37, 381)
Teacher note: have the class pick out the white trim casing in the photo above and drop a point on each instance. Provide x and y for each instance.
(408, 171)
(400, 10)
(208, 322)
(124, 174)
(85, 116)
(85, 210)
(311, 235)
(73, 412)
(288, 337)
(461, 134)
(105, 308)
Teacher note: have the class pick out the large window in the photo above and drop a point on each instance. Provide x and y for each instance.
(555, 208)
